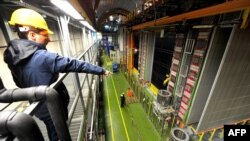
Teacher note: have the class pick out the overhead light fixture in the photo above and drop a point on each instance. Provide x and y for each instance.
(111, 18)
(65, 6)
(86, 24)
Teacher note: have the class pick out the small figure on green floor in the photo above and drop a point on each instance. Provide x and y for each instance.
(122, 97)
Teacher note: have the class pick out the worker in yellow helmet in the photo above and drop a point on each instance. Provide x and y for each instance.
(32, 65)
(24, 20)
(29, 18)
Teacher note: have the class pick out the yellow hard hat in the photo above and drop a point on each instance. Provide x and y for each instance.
(29, 17)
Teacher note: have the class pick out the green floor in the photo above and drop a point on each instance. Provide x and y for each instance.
(129, 123)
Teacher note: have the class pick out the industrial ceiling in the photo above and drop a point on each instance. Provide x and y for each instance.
(102, 14)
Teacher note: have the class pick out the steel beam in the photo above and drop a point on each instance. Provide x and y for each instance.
(226, 7)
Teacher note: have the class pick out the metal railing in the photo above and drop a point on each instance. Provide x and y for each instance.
(81, 83)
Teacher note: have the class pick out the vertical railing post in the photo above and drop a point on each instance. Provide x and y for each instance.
(67, 44)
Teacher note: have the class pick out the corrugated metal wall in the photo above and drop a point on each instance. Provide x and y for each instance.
(146, 56)
(229, 98)
(215, 52)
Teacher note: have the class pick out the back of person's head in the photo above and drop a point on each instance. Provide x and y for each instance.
(24, 20)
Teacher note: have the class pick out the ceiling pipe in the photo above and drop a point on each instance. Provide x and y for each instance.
(226, 7)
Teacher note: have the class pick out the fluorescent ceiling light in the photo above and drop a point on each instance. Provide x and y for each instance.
(111, 18)
(86, 24)
(70, 10)
(65, 6)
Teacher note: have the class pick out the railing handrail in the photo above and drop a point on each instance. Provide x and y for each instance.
(84, 52)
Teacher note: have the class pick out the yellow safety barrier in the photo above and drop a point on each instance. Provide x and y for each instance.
(135, 72)
(153, 88)
(245, 19)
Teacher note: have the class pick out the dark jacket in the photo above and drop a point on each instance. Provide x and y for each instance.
(32, 65)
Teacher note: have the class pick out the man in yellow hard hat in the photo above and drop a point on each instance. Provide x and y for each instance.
(32, 65)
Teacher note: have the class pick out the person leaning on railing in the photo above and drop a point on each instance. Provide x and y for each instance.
(31, 64)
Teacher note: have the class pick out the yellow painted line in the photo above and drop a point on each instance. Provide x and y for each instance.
(110, 115)
(120, 110)
(109, 63)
